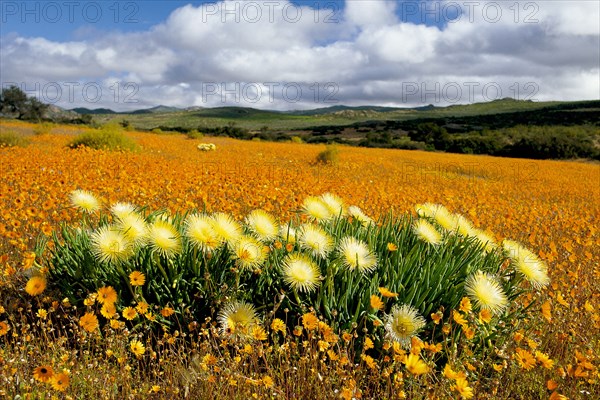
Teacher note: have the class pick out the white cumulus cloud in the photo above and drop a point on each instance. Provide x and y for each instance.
(364, 53)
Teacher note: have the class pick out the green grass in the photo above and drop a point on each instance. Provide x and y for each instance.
(330, 155)
(253, 119)
(44, 128)
(194, 134)
(11, 139)
(109, 137)
(193, 120)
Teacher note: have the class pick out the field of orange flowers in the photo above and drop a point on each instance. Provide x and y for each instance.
(550, 206)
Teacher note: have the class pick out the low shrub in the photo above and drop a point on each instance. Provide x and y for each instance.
(195, 134)
(43, 128)
(329, 156)
(109, 137)
(11, 138)
(396, 278)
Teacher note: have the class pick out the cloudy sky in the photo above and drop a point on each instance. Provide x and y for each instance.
(288, 55)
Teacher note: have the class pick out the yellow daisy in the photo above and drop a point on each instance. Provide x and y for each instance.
(60, 381)
(237, 319)
(314, 239)
(427, 232)
(136, 278)
(4, 328)
(85, 200)
(110, 245)
(485, 239)
(248, 252)
(35, 285)
(485, 316)
(356, 255)
(462, 387)
(459, 318)
(134, 228)
(137, 348)
(525, 359)
(43, 373)
(129, 313)
(259, 333)
(89, 322)
(359, 215)
(287, 233)
(316, 209)
(106, 295)
(142, 307)
(403, 323)
(527, 263)
(226, 228)
(310, 321)
(301, 273)
(262, 225)
(278, 325)
(164, 238)
(108, 310)
(167, 312)
(544, 360)
(116, 324)
(415, 365)
(376, 303)
(334, 204)
(385, 292)
(486, 292)
(199, 231)
(121, 210)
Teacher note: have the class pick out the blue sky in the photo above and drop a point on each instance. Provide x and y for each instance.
(59, 20)
(282, 54)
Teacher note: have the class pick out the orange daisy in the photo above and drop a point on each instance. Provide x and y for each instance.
(89, 322)
(107, 294)
(35, 285)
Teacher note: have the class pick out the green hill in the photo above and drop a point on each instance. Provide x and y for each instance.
(254, 119)
(504, 127)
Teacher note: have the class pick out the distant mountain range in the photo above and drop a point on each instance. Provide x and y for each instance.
(157, 109)
(202, 118)
(213, 111)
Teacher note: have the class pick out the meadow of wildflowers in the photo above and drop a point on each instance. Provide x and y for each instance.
(251, 271)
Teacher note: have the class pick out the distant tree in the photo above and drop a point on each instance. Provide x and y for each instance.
(432, 134)
(14, 101)
(126, 124)
(86, 119)
(34, 109)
